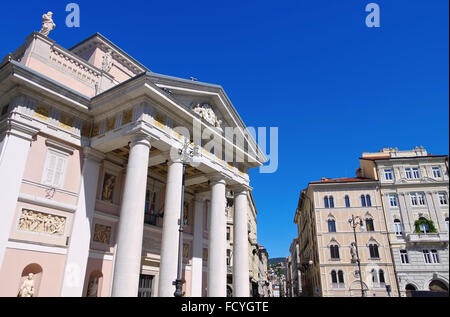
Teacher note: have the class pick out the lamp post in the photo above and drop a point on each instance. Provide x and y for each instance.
(354, 222)
(186, 156)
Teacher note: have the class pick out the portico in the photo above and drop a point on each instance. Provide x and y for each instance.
(122, 213)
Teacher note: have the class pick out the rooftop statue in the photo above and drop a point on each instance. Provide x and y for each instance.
(47, 24)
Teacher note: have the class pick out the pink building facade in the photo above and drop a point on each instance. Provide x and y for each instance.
(90, 189)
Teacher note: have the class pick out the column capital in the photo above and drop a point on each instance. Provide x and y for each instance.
(140, 137)
(216, 178)
(201, 197)
(239, 189)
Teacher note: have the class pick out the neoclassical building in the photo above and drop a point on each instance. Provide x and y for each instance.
(92, 181)
(327, 253)
(414, 190)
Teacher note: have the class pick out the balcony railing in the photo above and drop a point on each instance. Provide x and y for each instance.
(426, 237)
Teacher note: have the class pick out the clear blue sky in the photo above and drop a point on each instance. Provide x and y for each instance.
(334, 87)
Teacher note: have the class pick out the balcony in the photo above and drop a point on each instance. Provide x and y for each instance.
(427, 238)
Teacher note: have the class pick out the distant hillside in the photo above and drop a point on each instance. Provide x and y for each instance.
(275, 261)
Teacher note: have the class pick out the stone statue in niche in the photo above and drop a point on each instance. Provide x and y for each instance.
(206, 112)
(107, 61)
(47, 24)
(108, 187)
(27, 287)
(93, 288)
(353, 252)
(40, 222)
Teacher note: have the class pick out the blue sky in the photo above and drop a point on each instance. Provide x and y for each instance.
(334, 87)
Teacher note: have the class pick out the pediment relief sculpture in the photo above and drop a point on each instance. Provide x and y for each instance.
(206, 112)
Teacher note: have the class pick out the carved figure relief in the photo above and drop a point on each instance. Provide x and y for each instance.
(27, 287)
(47, 24)
(102, 233)
(40, 222)
(108, 187)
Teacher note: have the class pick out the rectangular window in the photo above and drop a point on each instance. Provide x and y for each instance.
(443, 198)
(393, 200)
(55, 169)
(434, 256)
(436, 171)
(388, 174)
(408, 172)
(228, 257)
(417, 199)
(404, 256)
(145, 286)
(426, 256)
(416, 172)
(228, 233)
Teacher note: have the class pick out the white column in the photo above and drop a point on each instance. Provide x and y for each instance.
(439, 214)
(217, 261)
(240, 247)
(169, 242)
(15, 145)
(405, 212)
(197, 257)
(131, 224)
(432, 210)
(78, 251)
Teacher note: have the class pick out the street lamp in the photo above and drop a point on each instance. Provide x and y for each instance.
(187, 155)
(354, 222)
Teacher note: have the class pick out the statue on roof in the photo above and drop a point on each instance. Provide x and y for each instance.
(47, 24)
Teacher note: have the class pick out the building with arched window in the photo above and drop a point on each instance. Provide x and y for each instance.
(325, 238)
(414, 188)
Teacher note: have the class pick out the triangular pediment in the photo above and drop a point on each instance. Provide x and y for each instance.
(105, 55)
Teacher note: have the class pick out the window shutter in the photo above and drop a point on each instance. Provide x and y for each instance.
(50, 169)
(57, 182)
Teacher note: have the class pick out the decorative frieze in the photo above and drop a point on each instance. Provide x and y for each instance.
(35, 221)
(102, 233)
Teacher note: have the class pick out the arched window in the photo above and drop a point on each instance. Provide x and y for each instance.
(368, 201)
(381, 275)
(373, 250)
(331, 202)
(423, 226)
(398, 227)
(374, 276)
(363, 201)
(341, 277)
(347, 201)
(334, 252)
(326, 202)
(331, 225)
(369, 224)
(446, 223)
(334, 277)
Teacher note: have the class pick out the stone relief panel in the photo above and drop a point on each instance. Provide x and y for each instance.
(152, 244)
(35, 221)
(102, 233)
